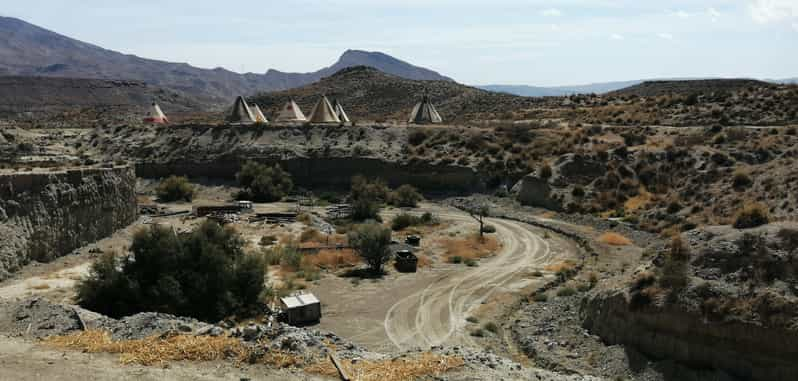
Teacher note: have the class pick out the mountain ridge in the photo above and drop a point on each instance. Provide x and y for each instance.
(30, 50)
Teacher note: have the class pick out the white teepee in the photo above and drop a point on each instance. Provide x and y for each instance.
(155, 115)
(339, 111)
(291, 113)
(425, 113)
(258, 114)
(323, 112)
(241, 113)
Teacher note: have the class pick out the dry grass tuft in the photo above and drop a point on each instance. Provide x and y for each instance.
(471, 247)
(153, 350)
(399, 369)
(424, 261)
(40, 286)
(331, 259)
(561, 266)
(614, 239)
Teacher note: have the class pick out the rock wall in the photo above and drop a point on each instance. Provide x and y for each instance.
(47, 215)
(746, 351)
(333, 172)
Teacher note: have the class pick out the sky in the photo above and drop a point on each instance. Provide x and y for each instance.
(478, 42)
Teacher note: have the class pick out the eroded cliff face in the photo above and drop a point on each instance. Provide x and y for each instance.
(719, 298)
(746, 351)
(47, 215)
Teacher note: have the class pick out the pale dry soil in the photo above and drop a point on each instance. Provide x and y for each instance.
(430, 308)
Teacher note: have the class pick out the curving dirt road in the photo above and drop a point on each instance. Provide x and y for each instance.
(437, 314)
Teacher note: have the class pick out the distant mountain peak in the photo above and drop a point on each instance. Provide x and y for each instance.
(29, 50)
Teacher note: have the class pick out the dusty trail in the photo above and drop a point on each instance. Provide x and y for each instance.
(437, 315)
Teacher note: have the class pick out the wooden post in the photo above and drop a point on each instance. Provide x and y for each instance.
(339, 367)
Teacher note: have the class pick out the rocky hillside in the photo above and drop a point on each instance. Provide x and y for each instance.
(664, 179)
(718, 297)
(369, 94)
(45, 215)
(687, 87)
(73, 102)
(28, 50)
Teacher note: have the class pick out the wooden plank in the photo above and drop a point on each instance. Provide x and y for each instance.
(339, 367)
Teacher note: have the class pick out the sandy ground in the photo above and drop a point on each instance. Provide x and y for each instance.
(22, 360)
(430, 307)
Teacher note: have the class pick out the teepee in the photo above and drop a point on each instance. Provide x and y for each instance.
(258, 114)
(339, 111)
(425, 113)
(241, 114)
(291, 113)
(323, 112)
(155, 115)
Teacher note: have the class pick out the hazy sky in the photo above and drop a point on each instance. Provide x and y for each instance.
(474, 41)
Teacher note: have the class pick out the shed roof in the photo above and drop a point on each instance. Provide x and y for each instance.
(299, 300)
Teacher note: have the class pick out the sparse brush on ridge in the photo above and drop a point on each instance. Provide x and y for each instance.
(751, 216)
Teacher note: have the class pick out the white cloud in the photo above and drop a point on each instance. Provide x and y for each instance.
(767, 11)
(616, 36)
(681, 14)
(795, 26)
(713, 13)
(665, 36)
(551, 12)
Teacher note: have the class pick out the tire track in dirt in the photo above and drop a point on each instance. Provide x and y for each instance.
(437, 315)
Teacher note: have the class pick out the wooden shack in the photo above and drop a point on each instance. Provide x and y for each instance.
(301, 309)
(406, 261)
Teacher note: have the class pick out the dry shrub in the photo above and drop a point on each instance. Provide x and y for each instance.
(640, 201)
(751, 216)
(153, 350)
(331, 259)
(614, 239)
(424, 261)
(41, 286)
(471, 247)
(310, 234)
(398, 369)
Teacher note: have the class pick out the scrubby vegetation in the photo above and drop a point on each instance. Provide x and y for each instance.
(175, 188)
(367, 197)
(406, 196)
(370, 242)
(203, 274)
(263, 183)
(751, 216)
(406, 220)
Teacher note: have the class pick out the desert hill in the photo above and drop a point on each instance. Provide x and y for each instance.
(28, 50)
(687, 87)
(370, 94)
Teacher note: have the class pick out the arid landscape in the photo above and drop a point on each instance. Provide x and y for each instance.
(378, 220)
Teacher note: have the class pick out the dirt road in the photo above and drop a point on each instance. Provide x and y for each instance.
(437, 314)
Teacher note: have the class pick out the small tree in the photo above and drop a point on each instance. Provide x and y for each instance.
(479, 213)
(175, 188)
(370, 242)
(406, 196)
(366, 197)
(263, 183)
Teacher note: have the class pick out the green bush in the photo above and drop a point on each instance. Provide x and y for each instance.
(741, 179)
(540, 297)
(478, 333)
(471, 263)
(472, 319)
(456, 259)
(491, 327)
(566, 291)
(406, 196)
(366, 198)
(489, 229)
(263, 183)
(203, 274)
(175, 188)
(370, 242)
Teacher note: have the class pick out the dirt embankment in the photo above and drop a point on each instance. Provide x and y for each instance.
(725, 300)
(315, 156)
(47, 215)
